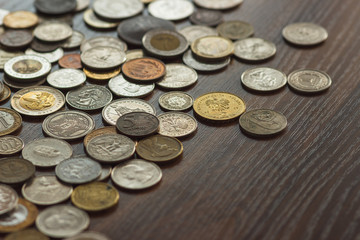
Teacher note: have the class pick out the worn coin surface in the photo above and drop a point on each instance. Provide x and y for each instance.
(254, 49)
(304, 34)
(71, 60)
(178, 76)
(171, 10)
(103, 58)
(137, 124)
(193, 32)
(55, 6)
(68, 125)
(263, 79)
(16, 39)
(47, 152)
(6, 56)
(74, 41)
(176, 101)
(309, 81)
(235, 30)
(123, 88)
(10, 145)
(196, 64)
(9, 199)
(136, 174)
(103, 75)
(134, 53)
(212, 47)
(66, 78)
(26, 234)
(90, 235)
(6, 92)
(10, 121)
(27, 67)
(46, 190)
(52, 57)
(45, 47)
(176, 124)
(219, 5)
(99, 131)
(206, 17)
(20, 19)
(62, 221)
(143, 70)
(15, 170)
(93, 21)
(103, 41)
(20, 85)
(53, 31)
(117, 9)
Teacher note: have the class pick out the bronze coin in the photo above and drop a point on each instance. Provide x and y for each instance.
(16, 39)
(144, 69)
(70, 61)
(15, 170)
(137, 124)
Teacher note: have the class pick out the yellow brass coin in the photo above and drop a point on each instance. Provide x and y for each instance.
(165, 42)
(27, 66)
(38, 100)
(102, 75)
(219, 106)
(95, 196)
(212, 47)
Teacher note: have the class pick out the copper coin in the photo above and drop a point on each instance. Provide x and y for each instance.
(15, 170)
(137, 124)
(144, 69)
(70, 61)
(20, 19)
(16, 39)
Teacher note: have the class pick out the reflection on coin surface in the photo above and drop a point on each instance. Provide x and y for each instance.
(123, 88)
(137, 124)
(176, 124)
(117, 9)
(74, 41)
(90, 235)
(254, 49)
(309, 81)
(70, 61)
(136, 174)
(20, 19)
(144, 69)
(194, 63)
(52, 57)
(262, 122)
(6, 56)
(305, 34)
(9, 199)
(26, 234)
(99, 131)
(263, 79)
(103, 41)
(66, 78)
(10, 121)
(176, 101)
(16, 39)
(27, 67)
(193, 32)
(103, 75)
(53, 31)
(15, 170)
(216, 4)
(103, 58)
(212, 47)
(235, 30)
(55, 6)
(206, 17)
(62, 221)
(178, 76)
(10, 145)
(93, 21)
(171, 10)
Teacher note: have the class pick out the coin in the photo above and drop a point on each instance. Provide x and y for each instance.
(105, 172)
(99, 131)
(27, 67)
(134, 53)
(62, 221)
(132, 30)
(10, 121)
(117, 9)
(78, 170)
(89, 97)
(70, 61)
(176, 124)
(158, 148)
(262, 122)
(192, 62)
(21, 85)
(304, 34)
(53, 31)
(37, 101)
(103, 75)
(178, 76)
(47, 152)
(15, 39)
(143, 70)
(10, 145)
(81, 5)
(193, 32)
(68, 18)
(96, 196)
(117, 108)
(176, 101)
(235, 30)
(6, 56)
(123, 88)
(219, 106)
(68, 125)
(263, 79)
(110, 148)
(93, 21)
(66, 78)
(74, 41)
(89, 236)
(171, 10)
(55, 6)
(45, 190)
(206, 17)
(22, 216)
(52, 57)
(136, 174)
(26, 234)
(5, 94)
(20, 19)
(212, 47)
(219, 5)
(137, 124)
(103, 41)
(3, 13)
(309, 81)
(9, 199)
(1, 88)
(103, 58)
(45, 47)
(254, 49)
(15, 170)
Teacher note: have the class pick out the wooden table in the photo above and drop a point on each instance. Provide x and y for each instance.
(303, 184)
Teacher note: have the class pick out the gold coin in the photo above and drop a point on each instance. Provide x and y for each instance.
(98, 132)
(102, 75)
(27, 234)
(20, 19)
(5, 94)
(95, 196)
(212, 47)
(219, 106)
(10, 121)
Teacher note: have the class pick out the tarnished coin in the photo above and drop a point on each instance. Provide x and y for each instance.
(178, 76)
(62, 221)
(37, 101)
(9, 199)
(110, 148)
(66, 78)
(254, 49)
(68, 125)
(93, 21)
(70, 61)
(74, 41)
(137, 124)
(6, 56)
(171, 10)
(309, 81)
(103, 75)
(81, 5)
(176, 101)
(304, 34)
(117, 9)
(26, 234)
(103, 41)
(15, 170)
(10, 145)
(212, 47)
(3, 13)
(47, 152)
(262, 122)
(144, 70)
(20, 19)
(45, 47)
(136, 174)
(55, 6)
(78, 170)
(134, 53)
(21, 85)
(105, 172)
(117, 108)
(123, 88)
(235, 30)
(22, 216)
(27, 67)
(158, 148)
(219, 106)
(96, 196)
(264, 79)
(219, 5)
(6, 93)
(46, 190)
(53, 31)
(16, 39)
(176, 124)
(193, 32)
(98, 132)
(89, 236)
(103, 58)
(52, 57)
(206, 17)
(10, 121)
(194, 63)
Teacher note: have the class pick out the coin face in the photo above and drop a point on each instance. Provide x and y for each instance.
(20, 85)
(263, 79)
(74, 41)
(235, 30)
(103, 75)
(176, 124)
(309, 81)
(10, 145)
(93, 21)
(89, 97)
(66, 78)
(26, 234)
(178, 76)
(27, 67)
(62, 221)
(68, 125)
(194, 32)
(9, 199)
(89, 236)
(37, 101)
(304, 34)
(55, 6)
(20, 19)
(123, 88)
(262, 122)
(136, 174)
(158, 148)
(103, 41)
(117, 9)
(196, 64)
(15, 170)
(96, 196)
(254, 49)
(219, 5)
(6, 92)
(144, 69)
(212, 47)
(70, 61)
(176, 101)
(10, 121)
(103, 58)
(47, 152)
(206, 17)
(15, 39)
(52, 57)
(45, 190)
(110, 148)
(219, 106)
(171, 10)
(99, 131)
(6, 56)
(137, 124)
(53, 31)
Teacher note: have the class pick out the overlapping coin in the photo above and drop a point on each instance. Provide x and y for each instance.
(10, 145)
(176, 124)
(309, 81)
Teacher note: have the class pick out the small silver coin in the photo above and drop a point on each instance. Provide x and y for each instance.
(117, 9)
(254, 49)
(10, 145)
(171, 10)
(264, 79)
(27, 67)
(176, 124)
(103, 41)
(53, 31)
(176, 101)
(304, 34)
(9, 199)
(66, 78)
(74, 41)
(178, 76)
(103, 58)
(309, 81)
(193, 32)
(52, 57)
(123, 88)
(194, 63)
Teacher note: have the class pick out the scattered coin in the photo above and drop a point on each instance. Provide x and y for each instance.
(103, 41)
(20, 19)
(89, 236)
(309, 81)
(96, 196)
(6, 56)
(103, 58)
(9, 199)
(70, 61)
(137, 124)
(194, 63)
(3, 13)
(10, 121)
(10, 145)
(171, 10)
(66, 78)
(6, 93)
(254, 49)
(53, 31)
(235, 30)
(55, 6)
(178, 76)
(52, 57)
(212, 47)
(21, 85)
(144, 70)
(133, 54)
(1, 88)
(105, 172)
(74, 41)
(99, 131)
(123, 88)
(16, 39)
(193, 32)
(176, 124)
(103, 75)
(304, 34)
(206, 17)
(136, 174)
(45, 190)
(176, 101)
(15, 170)
(219, 5)
(26, 234)
(93, 21)
(81, 5)
(67, 18)
(263, 79)
(47, 152)
(117, 9)
(45, 47)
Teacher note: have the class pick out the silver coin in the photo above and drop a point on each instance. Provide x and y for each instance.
(171, 10)
(309, 81)
(62, 221)
(89, 236)
(176, 124)
(78, 170)
(103, 58)
(68, 125)
(263, 79)
(93, 21)
(117, 108)
(216, 4)
(117, 9)
(254, 49)
(176, 101)
(81, 5)
(105, 172)
(47, 152)
(136, 174)
(178, 76)
(9, 199)
(103, 41)
(304, 34)
(74, 41)
(66, 78)
(6, 56)
(194, 63)
(123, 88)
(52, 57)
(53, 31)
(45, 190)
(10, 145)
(27, 67)
(193, 32)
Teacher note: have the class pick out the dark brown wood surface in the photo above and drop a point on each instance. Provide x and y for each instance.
(303, 184)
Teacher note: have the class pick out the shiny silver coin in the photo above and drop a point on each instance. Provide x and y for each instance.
(103, 41)
(93, 21)
(193, 32)
(178, 76)
(27, 67)
(117, 9)
(74, 41)
(66, 78)
(103, 58)
(254, 49)
(194, 63)
(218, 5)
(309, 81)
(52, 57)
(176, 124)
(304, 34)
(18, 85)
(10, 145)
(171, 10)
(176, 101)
(6, 56)
(123, 88)
(263, 79)
(53, 31)
(9, 199)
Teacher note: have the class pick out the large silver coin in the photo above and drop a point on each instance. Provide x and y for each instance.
(193, 32)
(66, 78)
(309, 81)
(27, 67)
(263, 79)
(176, 124)
(254, 49)
(53, 31)
(304, 34)
(178, 76)
(52, 57)
(117, 9)
(194, 63)
(103, 58)
(103, 41)
(171, 10)
(123, 88)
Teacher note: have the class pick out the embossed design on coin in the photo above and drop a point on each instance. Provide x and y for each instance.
(194, 32)
(52, 57)
(235, 30)
(15, 170)
(144, 69)
(53, 31)
(66, 78)
(176, 124)
(309, 81)
(216, 4)
(70, 61)
(27, 67)
(10, 121)
(263, 79)
(103, 58)
(212, 47)
(10, 145)
(178, 76)
(103, 41)
(192, 62)
(171, 10)
(93, 21)
(254, 49)
(123, 88)
(26, 234)
(137, 124)
(99, 131)
(8, 199)
(304, 34)
(176, 101)
(6, 56)
(15, 39)
(20, 19)
(117, 9)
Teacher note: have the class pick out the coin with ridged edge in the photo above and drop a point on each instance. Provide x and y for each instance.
(263, 79)
(178, 76)
(176, 101)
(254, 49)
(309, 81)
(144, 69)
(304, 34)
(176, 124)
(10, 121)
(10, 145)
(137, 124)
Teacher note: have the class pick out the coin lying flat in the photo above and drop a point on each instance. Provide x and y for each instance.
(99, 131)
(15, 170)
(26, 234)
(254, 49)
(93, 21)
(304, 34)
(134, 53)
(45, 47)
(235, 30)
(70, 61)
(212, 47)
(10, 121)
(219, 5)
(53, 31)
(6, 93)
(74, 41)
(137, 124)
(6, 56)
(103, 41)
(117, 9)
(176, 101)
(16, 39)
(81, 5)
(10, 145)
(89, 236)
(136, 174)
(206, 17)
(103, 58)
(171, 10)
(178, 76)
(103, 75)
(20, 19)
(105, 172)
(196, 64)
(176, 124)
(263, 79)
(193, 32)
(52, 57)
(9, 199)
(144, 70)
(66, 78)
(123, 88)
(27, 67)
(309, 81)
(20, 85)
(55, 6)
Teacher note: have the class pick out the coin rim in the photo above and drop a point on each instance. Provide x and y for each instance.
(294, 87)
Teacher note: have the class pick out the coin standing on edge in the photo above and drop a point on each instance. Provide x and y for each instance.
(176, 101)
(254, 49)
(143, 70)
(176, 124)
(15, 170)
(66, 78)
(9, 199)
(11, 121)
(263, 79)
(304, 34)
(121, 87)
(10, 145)
(178, 76)
(309, 81)
(137, 124)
